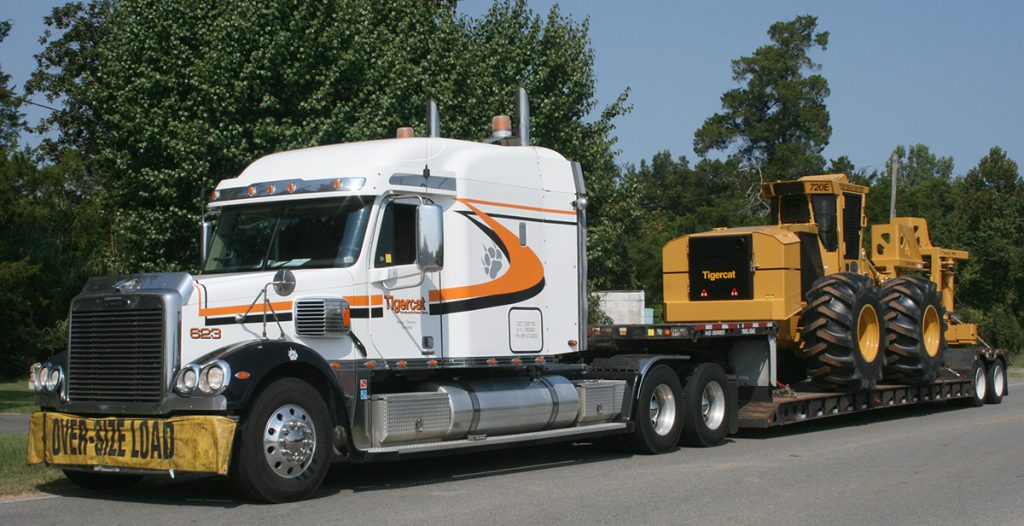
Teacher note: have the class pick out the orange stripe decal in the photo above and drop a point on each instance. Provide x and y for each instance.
(517, 207)
(365, 301)
(524, 267)
(240, 309)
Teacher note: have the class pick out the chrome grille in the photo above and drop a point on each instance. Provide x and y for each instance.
(116, 356)
(319, 316)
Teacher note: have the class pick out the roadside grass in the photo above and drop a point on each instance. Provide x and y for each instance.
(16, 477)
(1015, 372)
(15, 396)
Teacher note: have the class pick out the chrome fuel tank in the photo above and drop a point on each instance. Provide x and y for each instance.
(503, 406)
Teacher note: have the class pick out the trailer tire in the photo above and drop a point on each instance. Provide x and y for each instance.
(291, 467)
(842, 333)
(101, 481)
(915, 326)
(995, 377)
(979, 383)
(657, 414)
(705, 406)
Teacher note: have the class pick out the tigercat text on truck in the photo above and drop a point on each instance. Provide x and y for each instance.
(416, 296)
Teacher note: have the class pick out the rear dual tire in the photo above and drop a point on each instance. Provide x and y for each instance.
(995, 377)
(668, 413)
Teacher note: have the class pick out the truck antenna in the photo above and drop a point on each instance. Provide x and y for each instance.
(895, 166)
(433, 130)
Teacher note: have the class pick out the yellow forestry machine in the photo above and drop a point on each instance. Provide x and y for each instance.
(847, 320)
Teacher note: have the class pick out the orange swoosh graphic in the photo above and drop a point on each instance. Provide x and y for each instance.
(524, 267)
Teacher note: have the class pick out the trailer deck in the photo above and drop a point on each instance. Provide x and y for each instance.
(804, 402)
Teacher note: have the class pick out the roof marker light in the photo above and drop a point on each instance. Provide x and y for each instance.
(501, 126)
(291, 187)
(250, 191)
(270, 189)
(405, 132)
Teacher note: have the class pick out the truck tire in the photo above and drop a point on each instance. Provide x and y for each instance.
(916, 331)
(284, 444)
(979, 383)
(995, 377)
(101, 481)
(657, 414)
(705, 406)
(842, 333)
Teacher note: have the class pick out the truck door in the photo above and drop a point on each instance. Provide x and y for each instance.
(405, 329)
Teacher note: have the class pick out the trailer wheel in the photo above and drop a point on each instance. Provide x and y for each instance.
(916, 330)
(995, 376)
(979, 383)
(101, 481)
(657, 412)
(842, 333)
(284, 445)
(705, 406)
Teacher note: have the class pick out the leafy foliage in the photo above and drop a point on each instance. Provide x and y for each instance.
(777, 120)
(169, 97)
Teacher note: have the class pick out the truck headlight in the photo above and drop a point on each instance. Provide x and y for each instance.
(214, 377)
(52, 380)
(44, 373)
(187, 379)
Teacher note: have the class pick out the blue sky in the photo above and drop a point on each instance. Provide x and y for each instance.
(942, 73)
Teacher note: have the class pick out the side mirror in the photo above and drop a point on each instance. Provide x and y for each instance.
(205, 237)
(429, 237)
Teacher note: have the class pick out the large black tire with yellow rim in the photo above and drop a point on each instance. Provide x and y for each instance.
(916, 330)
(843, 333)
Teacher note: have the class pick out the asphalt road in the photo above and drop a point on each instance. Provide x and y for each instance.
(933, 464)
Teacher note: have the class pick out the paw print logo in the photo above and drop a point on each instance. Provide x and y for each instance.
(492, 261)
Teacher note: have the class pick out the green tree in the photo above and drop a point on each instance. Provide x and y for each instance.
(166, 98)
(987, 219)
(777, 119)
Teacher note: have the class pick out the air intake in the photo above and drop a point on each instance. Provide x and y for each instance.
(321, 317)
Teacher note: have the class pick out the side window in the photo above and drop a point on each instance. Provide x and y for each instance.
(396, 238)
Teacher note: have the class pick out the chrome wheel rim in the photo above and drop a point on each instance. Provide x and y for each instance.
(663, 410)
(289, 441)
(979, 383)
(712, 405)
(998, 379)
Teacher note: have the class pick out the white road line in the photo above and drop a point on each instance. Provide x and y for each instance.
(1017, 384)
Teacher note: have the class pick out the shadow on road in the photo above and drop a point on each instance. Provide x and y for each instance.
(356, 478)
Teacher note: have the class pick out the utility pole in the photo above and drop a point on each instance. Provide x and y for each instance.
(895, 166)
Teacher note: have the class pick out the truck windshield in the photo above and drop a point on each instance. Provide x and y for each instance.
(289, 235)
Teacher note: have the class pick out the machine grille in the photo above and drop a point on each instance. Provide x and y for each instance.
(319, 316)
(116, 356)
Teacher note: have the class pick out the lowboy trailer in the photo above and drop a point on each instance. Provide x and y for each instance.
(398, 298)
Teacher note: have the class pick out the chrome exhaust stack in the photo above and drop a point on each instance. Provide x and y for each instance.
(433, 119)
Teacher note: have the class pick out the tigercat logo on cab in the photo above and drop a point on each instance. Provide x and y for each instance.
(712, 276)
(400, 306)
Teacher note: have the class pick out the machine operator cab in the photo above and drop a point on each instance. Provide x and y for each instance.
(827, 205)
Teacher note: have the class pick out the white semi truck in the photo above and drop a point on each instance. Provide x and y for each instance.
(388, 299)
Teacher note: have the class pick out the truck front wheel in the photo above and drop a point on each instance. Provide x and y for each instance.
(657, 412)
(284, 445)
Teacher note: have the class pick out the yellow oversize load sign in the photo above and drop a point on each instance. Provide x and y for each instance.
(183, 443)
